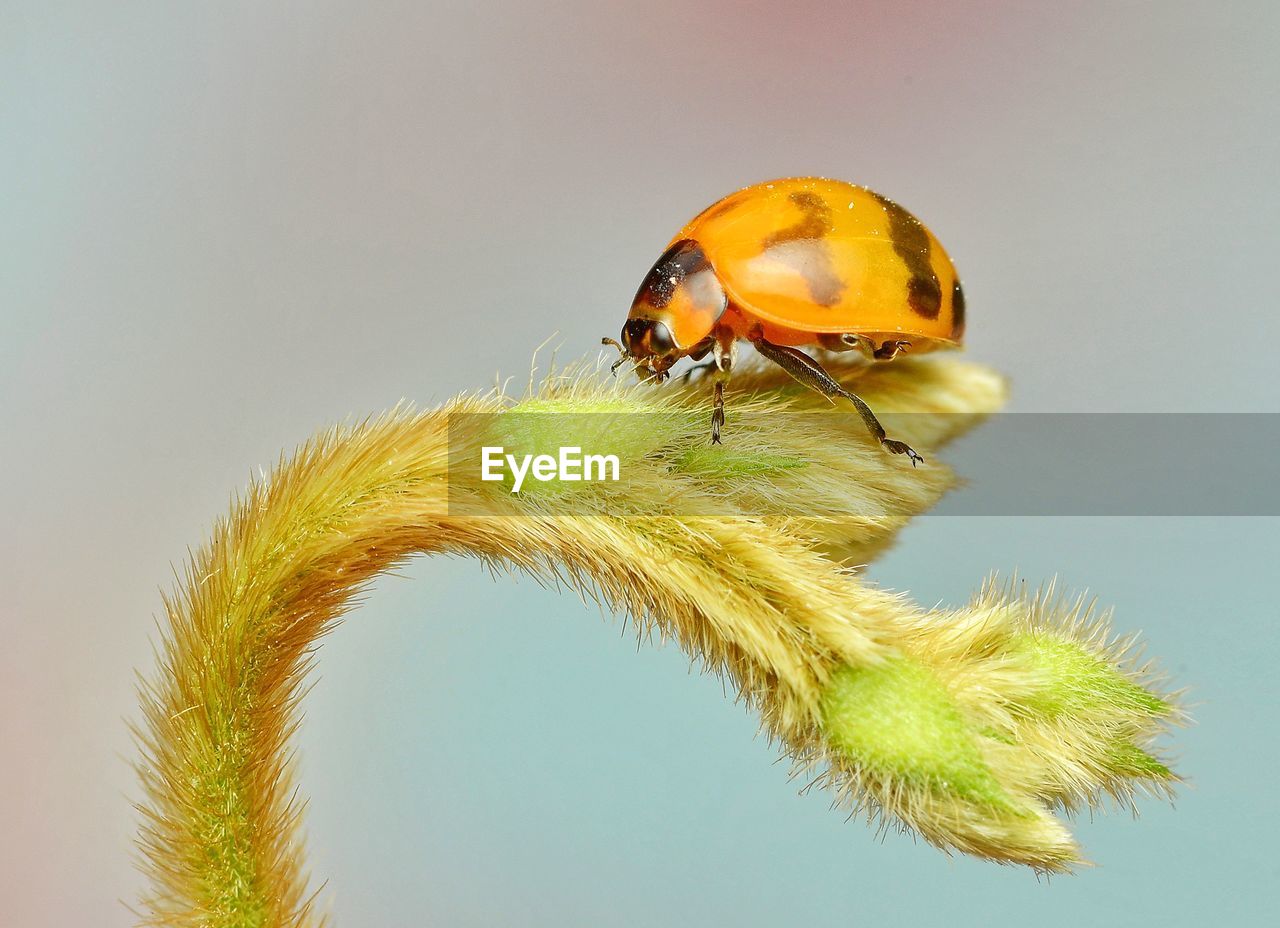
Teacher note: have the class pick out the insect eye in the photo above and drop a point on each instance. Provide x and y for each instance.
(647, 338)
(660, 340)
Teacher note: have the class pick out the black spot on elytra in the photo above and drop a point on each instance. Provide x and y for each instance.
(815, 221)
(911, 243)
(680, 261)
(957, 310)
(801, 247)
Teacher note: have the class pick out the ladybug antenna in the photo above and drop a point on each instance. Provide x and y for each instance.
(623, 351)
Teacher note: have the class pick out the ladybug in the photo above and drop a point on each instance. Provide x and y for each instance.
(792, 263)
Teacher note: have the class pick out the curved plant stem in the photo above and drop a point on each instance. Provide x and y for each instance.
(966, 726)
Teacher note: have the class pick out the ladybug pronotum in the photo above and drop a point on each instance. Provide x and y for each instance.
(803, 261)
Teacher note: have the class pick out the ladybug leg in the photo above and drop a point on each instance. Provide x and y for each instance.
(724, 350)
(812, 374)
(847, 341)
(717, 412)
(890, 350)
(697, 369)
(851, 341)
(699, 352)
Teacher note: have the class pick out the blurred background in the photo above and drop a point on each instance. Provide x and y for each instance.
(223, 226)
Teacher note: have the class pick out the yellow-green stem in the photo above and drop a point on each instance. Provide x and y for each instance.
(754, 590)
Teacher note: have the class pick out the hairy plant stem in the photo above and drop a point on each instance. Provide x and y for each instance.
(966, 726)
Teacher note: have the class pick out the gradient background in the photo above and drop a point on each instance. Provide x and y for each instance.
(223, 226)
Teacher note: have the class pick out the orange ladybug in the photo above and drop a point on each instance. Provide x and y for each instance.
(803, 261)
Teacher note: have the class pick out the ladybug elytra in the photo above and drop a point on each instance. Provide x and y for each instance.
(803, 261)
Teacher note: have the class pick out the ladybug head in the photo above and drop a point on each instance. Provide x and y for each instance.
(649, 344)
(673, 312)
